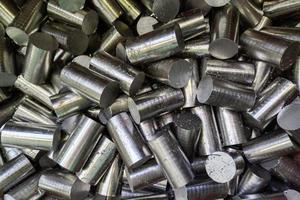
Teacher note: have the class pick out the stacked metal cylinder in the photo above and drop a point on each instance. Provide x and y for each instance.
(149, 99)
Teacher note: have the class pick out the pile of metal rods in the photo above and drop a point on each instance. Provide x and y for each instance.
(149, 99)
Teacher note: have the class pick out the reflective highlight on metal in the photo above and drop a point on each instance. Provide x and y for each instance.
(221, 93)
(128, 140)
(8, 12)
(131, 8)
(296, 73)
(288, 33)
(262, 75)
(109, 10)
(170, 157)
(196, 48)
(280, 8)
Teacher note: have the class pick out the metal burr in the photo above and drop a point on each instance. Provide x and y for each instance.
(227, 94)
(171, 158)
(39, 57)
(109, 10)
(145, 175)
(231, 127)
(220, 3)
(30, 135)
(254, 180)
(91, 86)
(269, 146)
(155, 102)
(14, 171)
(224, 33)
(202, 190)
(187, 131)
(68, 103)
(277, 9)
(131, 8)
(26, 21)
(239, 72)
(276, 95)
(87, 21)
(288, 33)
(164, 11)
(209, 141)
(262, 75)
(145, 24)
(155, 45)
(280, 52)
(62, 184)
(8, 12)
(195, 4)
(196, 48)
(129, 78)
(98, 162)
(69, 38)
(128, 140)
(71, 5)
(110, 185)
(174, 72)
(249, 11)
(79, 146)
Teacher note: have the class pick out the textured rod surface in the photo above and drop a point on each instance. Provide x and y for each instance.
(128, 140)
(155, 102)
(221, 93)
(8, 12)
(148, 129)
(155, 45)
(280, 8)
(131, 8)
(30, 135)
(225, 29)
(80, 144)
(171, 158)
(109, 10)
(90, 85)
(196, 48)
(14, 171)
(288, 33)
(129, 78)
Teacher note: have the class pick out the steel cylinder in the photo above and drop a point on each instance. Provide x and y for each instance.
(79, 146)
(289, 33)
(171, 158)
(146, 24)
(227, 94)
(98, 162)
(262, 75)
(129, 78)
(8, 12)
(196, 48)
(71, 5)
(155, 45)
(109, 10)
(128, 140)
(155, 102)
(280, 52)
(220, 3)
(195, 4)
(224, 32)
(7, 62)
(131, 8)
(278, 9)
(91, 86)
(148, 129)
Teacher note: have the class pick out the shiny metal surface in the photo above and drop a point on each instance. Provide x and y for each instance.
(146, 24)
(14, 171)
(280, 8)
(288, 33)
(296, 73)
(269, 146)
(280, 52)
(219, 3)
(87, 21)
(109, 10)
(196, 4)
(30, 135)
(239, 72)
(231, 127)
(129, 78)
(276, 95)
(174, 72)
(62, 184)
(26, 21)
(221, 93)
(155, 45)
(224, 32)
(209, 141)
(79, 146)
(39, 57)
(8, 12)
(155, 102)
(196, 48)
(128, 140)
(91, 86)
(131, 8)
(10, 153)
(7, 62)
(148, 129)
(171, 158)
(262, 75)
(98, 162)
(264, 22)
(71, 5)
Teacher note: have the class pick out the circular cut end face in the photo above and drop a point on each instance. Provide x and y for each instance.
(43, 41)
(137, 83)
(109, 94)
(188, 121)
(220, 167)
(217, 3)
(83, 60)
(145, 25)
(78, 42)
(133, 109)
(290, 56)
(165, 10)
(289, 118)
(180, 73)
(223, 48)
(17, 35)
(90, 22)
(205, 89)
(80, 190)
(72, 6)
(105, 115)
(7, 79)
